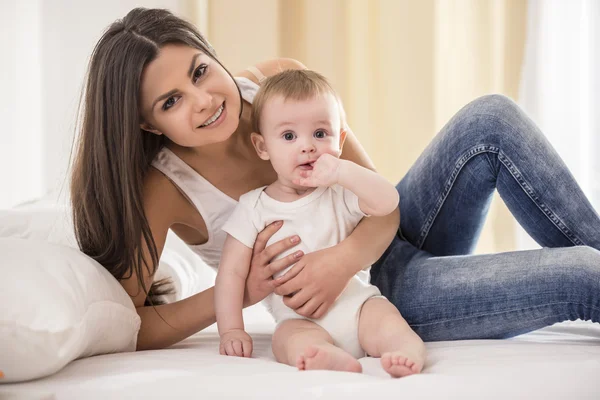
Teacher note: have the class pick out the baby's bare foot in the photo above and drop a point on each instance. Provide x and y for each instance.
(397, 364)
(329, 358)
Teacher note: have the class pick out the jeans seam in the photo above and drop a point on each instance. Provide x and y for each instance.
(475, 150)
(545, 210)
(592, 308)
(516, 174)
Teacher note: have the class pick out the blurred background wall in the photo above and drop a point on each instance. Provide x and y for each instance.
(402, 67)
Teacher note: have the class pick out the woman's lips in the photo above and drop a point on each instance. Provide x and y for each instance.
(218, 121)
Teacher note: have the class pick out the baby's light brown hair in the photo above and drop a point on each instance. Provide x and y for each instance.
(292, 84)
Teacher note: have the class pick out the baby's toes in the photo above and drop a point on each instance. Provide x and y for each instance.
(398, 365)
(301, 363)
(399, 359)
(415, 368)
(386, 360)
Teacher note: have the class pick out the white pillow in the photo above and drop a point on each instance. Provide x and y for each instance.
(47, 274)
(53, 223)
(57, 305)
(48, 223)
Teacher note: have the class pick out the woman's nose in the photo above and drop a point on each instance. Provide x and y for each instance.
(202, 101)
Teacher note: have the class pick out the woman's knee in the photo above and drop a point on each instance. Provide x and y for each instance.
(587, 260)
(579, 270)
(497, 121)
(494, 104)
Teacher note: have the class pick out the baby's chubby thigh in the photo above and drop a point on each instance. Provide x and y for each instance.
(341, 321)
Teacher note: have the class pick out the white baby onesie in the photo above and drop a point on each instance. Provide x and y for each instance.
(322, 219)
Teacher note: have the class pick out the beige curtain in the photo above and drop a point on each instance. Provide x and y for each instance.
(402, 67)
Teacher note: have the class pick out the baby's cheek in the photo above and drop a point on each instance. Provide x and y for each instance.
(334, 151)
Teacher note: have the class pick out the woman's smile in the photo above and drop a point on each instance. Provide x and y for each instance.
(216, 119)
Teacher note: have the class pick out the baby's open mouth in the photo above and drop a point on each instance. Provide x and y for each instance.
(307, 166)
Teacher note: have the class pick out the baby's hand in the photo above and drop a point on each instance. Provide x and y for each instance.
(325, 172)
(236, 342)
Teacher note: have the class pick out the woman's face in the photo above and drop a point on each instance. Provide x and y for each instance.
(189, 97)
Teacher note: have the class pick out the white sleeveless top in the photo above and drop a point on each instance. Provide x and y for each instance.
(214, 206)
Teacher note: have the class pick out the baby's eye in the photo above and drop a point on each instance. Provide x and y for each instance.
(289, 136)
(320, 134)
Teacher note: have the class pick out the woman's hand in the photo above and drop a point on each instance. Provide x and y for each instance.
(260, 283)
(316, 281)
(236, 342)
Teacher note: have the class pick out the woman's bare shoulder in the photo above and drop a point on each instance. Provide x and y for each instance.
(164, 204)
(272, 67)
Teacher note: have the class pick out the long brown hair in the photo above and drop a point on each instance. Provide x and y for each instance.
(113, 154)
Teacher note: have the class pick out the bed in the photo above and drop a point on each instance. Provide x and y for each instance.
(558, 362)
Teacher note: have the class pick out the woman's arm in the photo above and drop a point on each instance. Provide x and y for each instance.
(166, 324)
(272, 67)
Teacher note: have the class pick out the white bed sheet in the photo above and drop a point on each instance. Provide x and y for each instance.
(559, 362)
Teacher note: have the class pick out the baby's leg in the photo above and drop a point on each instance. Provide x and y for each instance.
(306, 345)
(383, 332)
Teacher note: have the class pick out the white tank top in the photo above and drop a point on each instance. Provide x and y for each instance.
(213, 205)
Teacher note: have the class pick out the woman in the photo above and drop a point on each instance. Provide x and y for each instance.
(165, 144)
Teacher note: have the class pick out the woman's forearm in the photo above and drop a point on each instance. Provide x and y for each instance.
(168, 324)
(369, 240)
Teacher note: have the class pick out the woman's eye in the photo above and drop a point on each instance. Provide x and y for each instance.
(199, 72)
(320, 134)
(169, 103)
(288, 136)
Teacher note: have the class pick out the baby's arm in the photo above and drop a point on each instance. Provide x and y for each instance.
(376, 195)
(229, 298)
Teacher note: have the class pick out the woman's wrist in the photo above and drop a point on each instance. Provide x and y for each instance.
(167, 324)
(350, 257)
(368, 241)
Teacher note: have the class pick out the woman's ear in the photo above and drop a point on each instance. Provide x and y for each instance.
(259, 145)
(149, 128)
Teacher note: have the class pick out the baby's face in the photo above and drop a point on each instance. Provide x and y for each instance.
(296, 132)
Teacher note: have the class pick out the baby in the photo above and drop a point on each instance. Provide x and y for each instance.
(298, 123)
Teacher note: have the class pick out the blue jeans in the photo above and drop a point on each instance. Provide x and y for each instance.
(446, 294)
